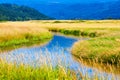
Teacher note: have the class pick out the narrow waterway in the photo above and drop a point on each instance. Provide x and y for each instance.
(56, 52)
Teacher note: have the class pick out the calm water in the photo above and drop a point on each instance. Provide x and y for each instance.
(57, 51)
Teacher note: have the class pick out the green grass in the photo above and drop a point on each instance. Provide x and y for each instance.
(13, 71)
(26, 72)
(102, 49)
(66, 21)
(77, 32)
(27, 39)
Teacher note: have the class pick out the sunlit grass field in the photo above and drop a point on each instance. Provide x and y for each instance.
(102, 49)
(83, 28)
(15, 35)
(105, 32)
(42, 70)
(11, 71)
(102, 46)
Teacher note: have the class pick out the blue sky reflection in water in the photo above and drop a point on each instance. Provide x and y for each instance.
(56, 52)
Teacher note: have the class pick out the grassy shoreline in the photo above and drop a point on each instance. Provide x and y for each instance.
(16, 43)
(102, 49)
(10, 71)
(104, 46)
(96, 30)
(16, 36)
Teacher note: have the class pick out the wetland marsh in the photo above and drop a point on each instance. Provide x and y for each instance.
(97, 42)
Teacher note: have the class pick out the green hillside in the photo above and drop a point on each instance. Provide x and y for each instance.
(12, 12)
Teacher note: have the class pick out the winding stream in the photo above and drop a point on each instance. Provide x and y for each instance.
(57, 51)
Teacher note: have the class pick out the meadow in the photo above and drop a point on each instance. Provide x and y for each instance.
(12, 71)
(102, 45)
(102, 49)
(13, 36)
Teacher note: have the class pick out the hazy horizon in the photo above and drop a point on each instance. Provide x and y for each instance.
(54, 1)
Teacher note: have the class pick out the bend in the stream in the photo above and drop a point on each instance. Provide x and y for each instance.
(57, 51)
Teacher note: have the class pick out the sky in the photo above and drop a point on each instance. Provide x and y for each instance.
(75, 1)
(54, 1)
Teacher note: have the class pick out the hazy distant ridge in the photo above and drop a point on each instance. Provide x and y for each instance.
(108, 10)
(79, 9)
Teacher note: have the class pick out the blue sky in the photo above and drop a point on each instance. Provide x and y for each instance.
(75, 1)
(54, 1)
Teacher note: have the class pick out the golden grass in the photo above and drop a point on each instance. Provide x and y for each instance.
(11, 31)
(47, 71)
(18, 30)
(108, 68)
(65, 24)
(108, 28)
(8, 31)
(12, 71)
(102, 49)
(13, 35)
(100, 26)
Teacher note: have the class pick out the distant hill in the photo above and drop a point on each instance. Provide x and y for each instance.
(112, 12)
(74, 9)
(101, 10)
(14, 12)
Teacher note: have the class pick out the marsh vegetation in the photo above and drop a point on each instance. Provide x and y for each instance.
(101, 47)
(14, 36)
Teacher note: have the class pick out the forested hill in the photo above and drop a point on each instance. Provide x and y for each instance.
(12, 12)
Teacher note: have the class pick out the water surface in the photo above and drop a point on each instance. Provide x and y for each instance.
(57, 51)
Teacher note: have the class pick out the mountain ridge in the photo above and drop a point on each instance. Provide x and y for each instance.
(86, 11)
(82, 11)
(97, 10)
(13, 12)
